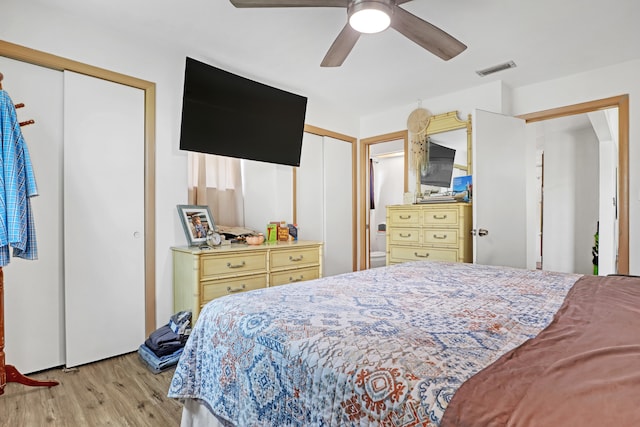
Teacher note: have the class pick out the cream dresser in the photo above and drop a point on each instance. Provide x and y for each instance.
(200, 275)
(438, 231)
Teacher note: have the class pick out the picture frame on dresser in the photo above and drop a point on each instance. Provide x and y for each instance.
(197, 222)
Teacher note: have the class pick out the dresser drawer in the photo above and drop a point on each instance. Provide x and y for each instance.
(440, 217)
(218, 288)
(404, 217)
(238, 263)
(442, 236)
(294, 258)
(399, 253)
(404, 235)
(293, 276)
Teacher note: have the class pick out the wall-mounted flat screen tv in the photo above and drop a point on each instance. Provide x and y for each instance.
(440, 169)
(230, 115)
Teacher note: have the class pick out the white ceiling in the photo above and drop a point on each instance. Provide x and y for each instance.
(284, 47)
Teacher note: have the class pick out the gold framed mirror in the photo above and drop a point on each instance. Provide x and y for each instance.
(444, 132)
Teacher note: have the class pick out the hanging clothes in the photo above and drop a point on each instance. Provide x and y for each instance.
(17, 186)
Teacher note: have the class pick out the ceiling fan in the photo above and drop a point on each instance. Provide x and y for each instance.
(362, 12)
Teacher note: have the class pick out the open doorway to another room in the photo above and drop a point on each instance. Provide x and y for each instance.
(383, 166)
(576, 173)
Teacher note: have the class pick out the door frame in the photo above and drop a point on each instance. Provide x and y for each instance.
(36, 57)
(365, 145)
(622, 103)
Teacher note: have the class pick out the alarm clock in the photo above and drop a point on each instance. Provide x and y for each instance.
(214, 238)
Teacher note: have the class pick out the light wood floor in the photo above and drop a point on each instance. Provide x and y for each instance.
(116, 392)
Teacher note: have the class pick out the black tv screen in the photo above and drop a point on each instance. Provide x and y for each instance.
(440, 169)
(230, 115)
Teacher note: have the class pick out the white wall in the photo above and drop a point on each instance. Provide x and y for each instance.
(608, 226)
(273, 200)
(47, 29)
(571, 200)
(489, 96)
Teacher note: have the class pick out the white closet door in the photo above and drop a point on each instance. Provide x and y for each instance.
(34, 321)
(103, 218)
(338, 207)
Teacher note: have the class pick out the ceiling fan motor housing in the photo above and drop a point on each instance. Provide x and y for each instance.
(385, 6)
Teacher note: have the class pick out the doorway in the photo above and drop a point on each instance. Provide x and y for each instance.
(621, 104)
(576, 192)
(387, 143)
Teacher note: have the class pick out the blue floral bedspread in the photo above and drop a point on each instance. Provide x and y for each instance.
(382, 347)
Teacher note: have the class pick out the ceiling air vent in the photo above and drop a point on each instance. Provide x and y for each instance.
(496, 68)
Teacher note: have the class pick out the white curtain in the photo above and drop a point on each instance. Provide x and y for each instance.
(216, 181)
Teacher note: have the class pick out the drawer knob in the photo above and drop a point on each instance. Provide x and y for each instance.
(440, 216)
(299, 279)
(405, 216)
(435, 236)
(426, 255)
(291, 258)
(236, 265)
(231, 290)
(405, 235)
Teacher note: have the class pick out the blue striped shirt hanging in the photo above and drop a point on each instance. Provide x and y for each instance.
(17, 186)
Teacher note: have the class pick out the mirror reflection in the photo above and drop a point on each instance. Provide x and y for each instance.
(448, 147)
(386, 184)
(447, 160)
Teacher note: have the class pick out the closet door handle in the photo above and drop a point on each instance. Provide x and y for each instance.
(231, 290)
(236, 265)
(426, 255)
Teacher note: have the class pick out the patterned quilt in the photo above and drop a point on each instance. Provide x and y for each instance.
(381, 347)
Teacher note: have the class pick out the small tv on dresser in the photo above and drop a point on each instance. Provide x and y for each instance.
(230, 115)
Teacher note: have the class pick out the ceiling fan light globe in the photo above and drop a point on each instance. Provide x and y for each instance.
(369, 16)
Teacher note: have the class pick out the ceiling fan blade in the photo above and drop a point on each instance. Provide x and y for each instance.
(290, 3)
(341, 47)
(425, 34)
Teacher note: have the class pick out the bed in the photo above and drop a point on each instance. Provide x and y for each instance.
(389, 346)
